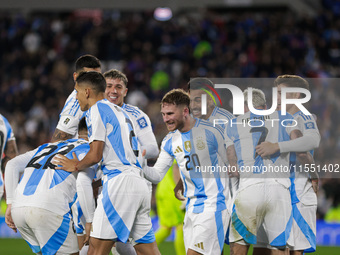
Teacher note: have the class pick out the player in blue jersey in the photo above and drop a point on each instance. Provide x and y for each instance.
(201, 156)
(263, 198)
(198, 87)
(304, 184)
(116, 91)
(202, 86)
(124, 204)
(67, 128)
(8, 147)
(71, 113)
(39, 206)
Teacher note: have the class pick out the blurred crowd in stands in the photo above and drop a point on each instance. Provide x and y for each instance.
(38, 50)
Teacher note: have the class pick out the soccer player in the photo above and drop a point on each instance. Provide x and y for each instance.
(203, 86)
(304, 184)
(218, 116)
(8, 146)
(39, 206)
(67, 128)
(197, 147)
(116, 90)
(124, 204)
(263, 198)
(71, 113)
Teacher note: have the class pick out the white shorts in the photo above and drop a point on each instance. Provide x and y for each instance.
(123, 210)
(78, 218)
(262, 206)
(205, 232)
(45, 231)
(303, 236)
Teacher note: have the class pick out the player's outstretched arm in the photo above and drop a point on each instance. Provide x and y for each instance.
(156, 173)
(94, 155)
(148, 142)
(60, 135)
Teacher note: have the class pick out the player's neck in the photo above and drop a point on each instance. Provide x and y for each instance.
(95, 99)
(189, 123)
(209, 112)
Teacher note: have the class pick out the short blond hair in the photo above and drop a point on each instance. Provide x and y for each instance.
(259, 98)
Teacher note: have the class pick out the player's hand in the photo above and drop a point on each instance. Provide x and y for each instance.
(8, 218)
(179, 191)
(69, 165)
(267, 148)
(88, 227)
(315, 185)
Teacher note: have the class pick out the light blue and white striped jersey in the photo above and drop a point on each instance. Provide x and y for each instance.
(107, 122)
(301, 183)
(220, 114)
(249, 130)
(70, 115)
(6, 134)
(142, 128)
(140, 120)
(44, 187)
(198, 152)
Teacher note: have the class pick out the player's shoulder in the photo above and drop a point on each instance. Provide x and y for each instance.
(300, 115)
(170, 135)
(133, 110)
(207, 125)
(222, 113)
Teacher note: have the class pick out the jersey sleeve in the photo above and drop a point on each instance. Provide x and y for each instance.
(227, 136)
(96, 126)
(310, 139)
(164, 161)
(13, 169)
(70, 115)
(145, 135)
(10, 134)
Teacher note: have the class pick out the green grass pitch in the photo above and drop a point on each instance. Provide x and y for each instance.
(20, 247)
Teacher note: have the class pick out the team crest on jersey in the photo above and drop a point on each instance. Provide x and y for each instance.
(309, 125)
(187, 146)
(200, 143)
(66, 121)
(142, 122)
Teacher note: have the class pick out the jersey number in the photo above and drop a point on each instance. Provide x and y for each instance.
(192, 158)
(50, 149)
(264, 133)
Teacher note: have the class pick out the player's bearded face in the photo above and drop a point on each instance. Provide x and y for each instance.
(196, 103)
(172, 116)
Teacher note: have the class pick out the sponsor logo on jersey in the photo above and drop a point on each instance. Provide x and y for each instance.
(142, 122)
(66, 121)
(187, 146)
(309, 125)
(199, 245)
(178, 150)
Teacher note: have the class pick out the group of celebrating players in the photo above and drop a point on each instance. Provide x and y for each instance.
(99, 137)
